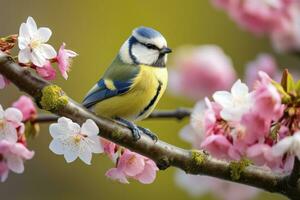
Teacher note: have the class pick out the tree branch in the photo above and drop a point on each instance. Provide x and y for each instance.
(52, 98)
(295, 175)
(179, 114)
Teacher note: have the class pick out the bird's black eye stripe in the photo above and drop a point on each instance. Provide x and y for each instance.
(150, 46)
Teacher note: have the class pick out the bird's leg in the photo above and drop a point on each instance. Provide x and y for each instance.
(149, 133)
(134, 129)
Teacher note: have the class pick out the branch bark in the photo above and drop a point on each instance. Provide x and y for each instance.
(179, 114)
(295, 175)
(52, 98)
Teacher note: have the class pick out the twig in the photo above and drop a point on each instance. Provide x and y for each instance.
(50, 97)
(179, 114)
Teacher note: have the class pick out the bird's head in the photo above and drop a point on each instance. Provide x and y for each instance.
(145, 46)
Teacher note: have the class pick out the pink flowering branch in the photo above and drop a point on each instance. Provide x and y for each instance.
(52, 98)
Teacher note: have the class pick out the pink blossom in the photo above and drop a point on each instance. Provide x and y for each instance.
(217, 145)
(278, 19)
(3, 171)
(13, 157)
(10, 121)
(26, 106)
(3, 82)
(211, 116)
(195, 131)
(109, 148)
(265, 63)
(261, 154)
(133, 165)
(197, 185)
(148, 175)
(47, 71)
(287, 38)
(267, 98)
(256, 16)
(199, 71)
(256, 128)
(64, 58)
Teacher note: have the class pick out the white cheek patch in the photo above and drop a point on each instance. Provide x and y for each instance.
(124, 53)
(144, 55)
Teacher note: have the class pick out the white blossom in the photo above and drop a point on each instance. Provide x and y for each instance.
(72, 141)
(234, 104)
(32, 44)
(290, 144)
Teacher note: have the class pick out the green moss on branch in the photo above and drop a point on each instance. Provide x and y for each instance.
(53, 98)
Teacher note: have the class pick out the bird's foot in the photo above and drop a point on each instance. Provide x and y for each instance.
(136, 132)
(149, 133)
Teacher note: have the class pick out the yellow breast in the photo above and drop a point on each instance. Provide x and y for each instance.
(144, 94)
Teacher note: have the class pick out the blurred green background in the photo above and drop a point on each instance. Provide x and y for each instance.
(95, 29)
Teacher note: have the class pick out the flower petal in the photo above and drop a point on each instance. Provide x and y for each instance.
(13, 115)
(86, 156)
(239, 89)
(31, 25)
(223, 98)
(9, 133)
(71, 53)
(282, 146)
(15, 164)
(149, 173)
(44, 34)
(72, 153)
(23, 35)
(116, 174)
(24, 56)
(64, 126)
(95, 144)
(38, 58)
(90, 128)
(47, 51)
(57, 147)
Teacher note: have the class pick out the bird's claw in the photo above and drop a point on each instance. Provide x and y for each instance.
(137, 130)
(136, 133)
(149, 133)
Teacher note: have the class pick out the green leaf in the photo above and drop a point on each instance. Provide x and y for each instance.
(290, 84)
(287, 82)
(297, 88)
(284, 79)
(285, 96)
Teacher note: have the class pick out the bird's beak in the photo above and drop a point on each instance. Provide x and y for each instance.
(165, 50)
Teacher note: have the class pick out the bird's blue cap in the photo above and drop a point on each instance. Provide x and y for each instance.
(147, 32)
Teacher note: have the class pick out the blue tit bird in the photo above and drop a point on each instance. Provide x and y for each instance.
(132, 85)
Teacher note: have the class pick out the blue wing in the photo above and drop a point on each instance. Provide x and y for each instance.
(102, 91)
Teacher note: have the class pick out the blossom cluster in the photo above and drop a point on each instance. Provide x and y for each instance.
(201, 70)
(129, 164)
(278, 19)
(261, 125)
(13, 146)
(35, 53)
(73, 141)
